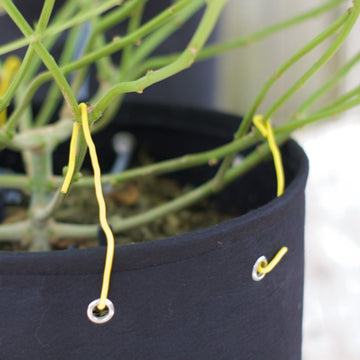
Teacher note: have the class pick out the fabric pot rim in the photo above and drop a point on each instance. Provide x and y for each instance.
(168, 250)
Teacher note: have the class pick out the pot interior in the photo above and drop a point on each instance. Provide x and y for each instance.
(171, 131)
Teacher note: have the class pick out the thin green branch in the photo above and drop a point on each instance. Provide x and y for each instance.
(117, 16)
(329, 53)
(64, 12)
(16, 232)
(247, 121)
(46, 137)
(327, 86)
(331, 30)
(149, 44)
(45, 16)
(153, 40)
(216, 49)
(344, 98)
(133, 25)
(213, 50)
(43, 53)
(27, 61)
(21, 182)
(210, 157)
(185, 60)
(107, 50)
(61, 26)
(52, 99)
(328, 112)
(75, 231)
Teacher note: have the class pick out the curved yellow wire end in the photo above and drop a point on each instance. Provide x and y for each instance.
(72, 155)
(267, 132)
(265, 268)
(102, 208)
(9, 70)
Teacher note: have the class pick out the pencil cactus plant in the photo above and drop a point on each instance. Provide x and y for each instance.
(36, 134)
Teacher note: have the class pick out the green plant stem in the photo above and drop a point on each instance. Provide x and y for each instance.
(16, 232)
(119, 43)
(247, 121)
(211, 157)
(344, 98)
(45, 137)
(27, 65)
(106, 70)
(220, 48)
(12, 181)
(43, 53)
(149, 44)
(319, 115)
(45, 15)
(117, 16)
(51, 101)
(126, 59)
(331, 51)
(65, 12)
(116, 45)
(61, 230)
(331, 30)
(325, 88)
(185, 60)
(41, 165)
(59, 27)
(133, 25)
(208, 157)
(216, 49)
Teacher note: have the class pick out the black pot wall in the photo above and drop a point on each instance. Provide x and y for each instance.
(186, 297)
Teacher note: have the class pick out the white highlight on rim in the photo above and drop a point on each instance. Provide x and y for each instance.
(100, 319)
(255, 274)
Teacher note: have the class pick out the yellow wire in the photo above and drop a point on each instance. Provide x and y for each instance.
(279, 168)
(102, 208)
(72, 155)
(265, 269)
(11, 67)
(268, 133)
(258, 121)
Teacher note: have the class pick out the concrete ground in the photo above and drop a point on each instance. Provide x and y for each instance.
(332, 276)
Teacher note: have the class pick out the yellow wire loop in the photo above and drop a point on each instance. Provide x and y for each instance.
(9, 70)
(72, 155)
(265, 268)
(267, 132)
(102, 208)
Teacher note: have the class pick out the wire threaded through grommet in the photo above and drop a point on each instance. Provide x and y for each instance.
(95, 315)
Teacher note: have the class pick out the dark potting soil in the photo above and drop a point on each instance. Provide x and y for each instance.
(125, 200)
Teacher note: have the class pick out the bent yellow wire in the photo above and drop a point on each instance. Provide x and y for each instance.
(72, 155)
(9, 70)
(268, 133)
(99, 196)
(102, 208)
(266, 268)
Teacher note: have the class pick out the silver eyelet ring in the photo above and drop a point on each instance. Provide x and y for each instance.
(255, 274)
(100, 319)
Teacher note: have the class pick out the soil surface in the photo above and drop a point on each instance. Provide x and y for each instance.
(126, 200)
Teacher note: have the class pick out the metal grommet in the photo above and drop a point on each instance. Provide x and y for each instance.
(100, 317)
(262, 260)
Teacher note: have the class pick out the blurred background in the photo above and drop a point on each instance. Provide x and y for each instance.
(332, 280)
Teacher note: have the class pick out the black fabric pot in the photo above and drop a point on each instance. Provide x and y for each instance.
(190, 296)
